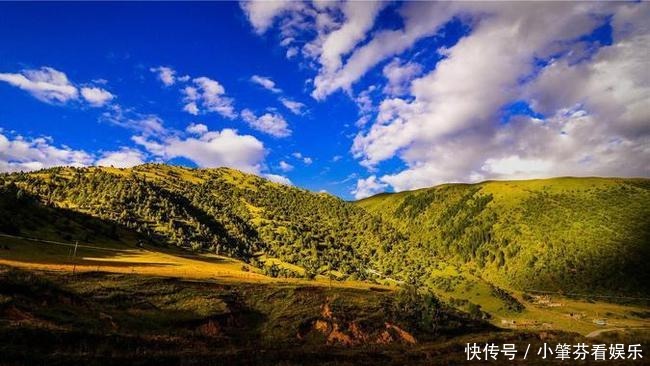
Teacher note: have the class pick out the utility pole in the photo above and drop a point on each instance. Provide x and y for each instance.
(74, 255)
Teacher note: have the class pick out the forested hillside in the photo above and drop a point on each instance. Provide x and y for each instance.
(570, 234)
(566, 234)
(218, 210)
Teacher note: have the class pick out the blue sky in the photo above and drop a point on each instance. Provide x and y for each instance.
(351, 98)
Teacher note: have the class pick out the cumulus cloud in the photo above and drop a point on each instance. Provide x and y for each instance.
(285, 167)
(271, 123)
(97, 97)
(21, 154)
(197, 128)
(198, 144)
(421, 20)
(399, 75)
(123, 158)
(293, 106)
(266, 83)
(336, 39)
(53, 86)
(278, 179)
(209, 95)
(261, 14)
(614, 85)
(602, 98)
(596, 120)
(368, 187)
(165, 74)
(46, 84)
(305, 159)
(513, 166)
(359, 18)
(210, 149)
(191, 107)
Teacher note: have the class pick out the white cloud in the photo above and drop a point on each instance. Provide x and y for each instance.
(291, 52)
(210, 149)
(123, 158)
(293, 106)
(364, 100)
(450, 129)
(191, 108)
(127, 118)
(165, 74)
(421, 19)
(615, 86)
(368, 187)
(95, 96)
(197, 128)
(262, 13)
(203, 147)
(285, 167)
(399, 75)
(266, 83)
(20, 154)
(278, 179)
(46, 84)
(359, 18)
(513, 166)
(271, 123)
(305, 159)
(53, 86)
(210, 95)
(326, 33)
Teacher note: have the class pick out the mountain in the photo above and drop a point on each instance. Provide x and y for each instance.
(223, 211)
(564, 234)
(468, 257)
(585, 235)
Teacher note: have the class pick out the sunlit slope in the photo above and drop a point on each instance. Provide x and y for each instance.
(570, 234)
(222, 211)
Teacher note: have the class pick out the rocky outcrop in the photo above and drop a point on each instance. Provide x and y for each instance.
(353, 333)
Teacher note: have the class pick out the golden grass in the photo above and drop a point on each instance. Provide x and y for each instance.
(148, 261)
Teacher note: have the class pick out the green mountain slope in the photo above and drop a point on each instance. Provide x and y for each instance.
(565, 234)
(219, 210)
(568, 234)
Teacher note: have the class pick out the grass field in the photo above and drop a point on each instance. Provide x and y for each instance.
(547, 311)
(122, 258)
(54, 318)
(553, 312)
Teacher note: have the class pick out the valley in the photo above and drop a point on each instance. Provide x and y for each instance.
(205, 264)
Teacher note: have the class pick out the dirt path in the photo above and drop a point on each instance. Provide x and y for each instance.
(598, 332)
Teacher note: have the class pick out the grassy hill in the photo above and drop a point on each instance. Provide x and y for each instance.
(222, 211)
(564, 234)
(588, 235)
